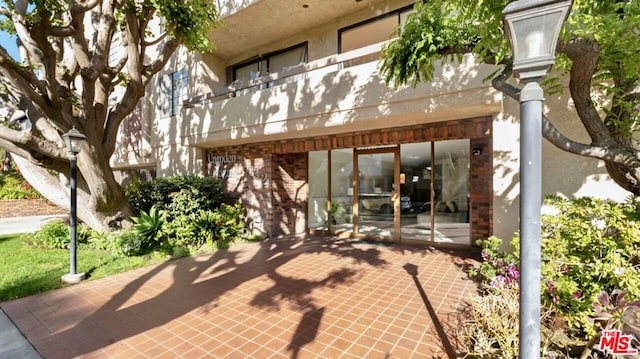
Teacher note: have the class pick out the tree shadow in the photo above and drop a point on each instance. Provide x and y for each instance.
(197, 282)
(412, 270)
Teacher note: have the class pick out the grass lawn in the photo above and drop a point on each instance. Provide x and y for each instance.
(25, 270)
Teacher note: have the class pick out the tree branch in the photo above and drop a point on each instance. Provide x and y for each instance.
(612, 152)
(584, 56)
(25, 141)
(83, 6)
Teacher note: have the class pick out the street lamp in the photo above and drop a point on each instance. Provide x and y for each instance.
(73, 139)
(533, 27)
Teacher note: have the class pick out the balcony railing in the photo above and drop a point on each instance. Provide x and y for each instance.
(296, 73)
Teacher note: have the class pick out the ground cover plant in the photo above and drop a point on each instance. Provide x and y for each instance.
(12, 184)
(590, 277)
(26, 270)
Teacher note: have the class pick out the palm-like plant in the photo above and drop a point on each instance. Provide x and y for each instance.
(149, 224)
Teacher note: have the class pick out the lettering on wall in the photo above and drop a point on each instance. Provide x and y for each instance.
(220, 166)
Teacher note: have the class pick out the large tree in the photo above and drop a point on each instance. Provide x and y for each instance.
(598, 50)
(74, 54)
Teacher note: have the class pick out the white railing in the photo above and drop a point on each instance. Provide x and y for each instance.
(327, 64)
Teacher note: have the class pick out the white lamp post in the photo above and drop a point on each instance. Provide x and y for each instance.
(533, 27)
(73, 139)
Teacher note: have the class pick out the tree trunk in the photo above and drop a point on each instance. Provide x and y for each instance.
(100, 199)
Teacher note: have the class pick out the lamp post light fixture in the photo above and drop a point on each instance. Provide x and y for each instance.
(533, 27)
(73, 139)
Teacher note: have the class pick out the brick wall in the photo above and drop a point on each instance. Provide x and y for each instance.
(481, 188)
(289, 184)
(246, 174)
(28, 207)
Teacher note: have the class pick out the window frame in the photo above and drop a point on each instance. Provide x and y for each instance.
(174, 88)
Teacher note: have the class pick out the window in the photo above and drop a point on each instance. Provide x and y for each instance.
(370, 32)
(173, 90)
(268, 64)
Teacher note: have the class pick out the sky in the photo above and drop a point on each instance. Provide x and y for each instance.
(9, 44)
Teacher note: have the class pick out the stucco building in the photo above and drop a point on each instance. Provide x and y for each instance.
(291, 112)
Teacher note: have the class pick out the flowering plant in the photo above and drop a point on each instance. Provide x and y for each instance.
(588, 246)
(498, 267)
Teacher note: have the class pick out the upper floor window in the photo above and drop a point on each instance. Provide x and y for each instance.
(173, 91)
(268, 64)
(371, 31)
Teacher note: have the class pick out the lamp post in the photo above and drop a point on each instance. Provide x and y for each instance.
(73, 139)
(533, 27)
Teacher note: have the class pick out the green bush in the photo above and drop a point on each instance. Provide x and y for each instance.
(589, 246)
(53, 235)
(100, 241)
(181, 214)
(127, 242)
(177, 194)
(222, 225)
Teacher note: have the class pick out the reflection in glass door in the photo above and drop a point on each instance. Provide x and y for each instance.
(416, 168)
(375, 195)
(451, 207)
(436, 190)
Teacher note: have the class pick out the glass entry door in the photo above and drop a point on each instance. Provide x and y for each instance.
(376, 200)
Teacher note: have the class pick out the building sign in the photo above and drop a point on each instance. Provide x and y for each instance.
(220, 166)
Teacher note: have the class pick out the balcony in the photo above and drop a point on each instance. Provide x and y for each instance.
(335, 94)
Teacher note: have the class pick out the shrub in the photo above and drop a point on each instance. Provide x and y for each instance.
(498, 268)
(487, 326)
(127, 242)
(148, 226)
(100, 241)
(490, 328)
(53, 235)
(588, 247)
(184, 212)
(222, 225)
(176, 194)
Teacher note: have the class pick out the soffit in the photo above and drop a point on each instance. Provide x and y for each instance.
(266, 21)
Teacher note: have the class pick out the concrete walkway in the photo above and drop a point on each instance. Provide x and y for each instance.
(12, 343)
(13, 225)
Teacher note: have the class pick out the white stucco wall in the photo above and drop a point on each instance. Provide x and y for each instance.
(563, 174)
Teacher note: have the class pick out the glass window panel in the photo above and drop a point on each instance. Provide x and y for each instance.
(415, 204)
(247, 72)
(287, 59)
(180, 82)
(318, 189)
(368, 33)
(375, 194)
(341, 190)
(451, 187)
